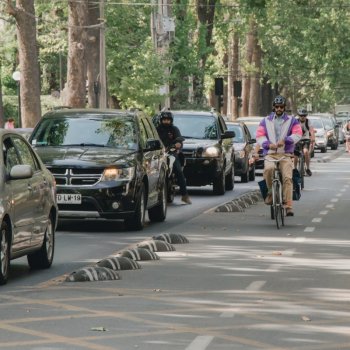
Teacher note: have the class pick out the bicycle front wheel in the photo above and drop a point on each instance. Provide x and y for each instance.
(277, 204)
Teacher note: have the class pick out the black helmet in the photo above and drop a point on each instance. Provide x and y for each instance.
(166, 115)
(302, 112)
(279, 100)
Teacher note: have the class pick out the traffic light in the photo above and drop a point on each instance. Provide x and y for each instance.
(219, 86)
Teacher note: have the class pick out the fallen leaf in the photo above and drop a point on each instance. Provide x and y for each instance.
(99, 329)
(306, 319)
(276, 253)
(156, 290)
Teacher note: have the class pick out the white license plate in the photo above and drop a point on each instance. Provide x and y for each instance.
(68, 198)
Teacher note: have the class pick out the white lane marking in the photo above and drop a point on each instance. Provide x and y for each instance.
(330, 206)
(200, 343)
(316, 219)
(334, 200)
(309, 229)
(256, 285)
(300, 239)
(288, 252)
(228, 314)
(343, 190)
(323, 212)
(273, 268)
(338, 194)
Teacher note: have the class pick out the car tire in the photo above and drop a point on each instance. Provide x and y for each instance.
(324, 150)
(42, 259)
(4, 253)
(158, 212)
(219, 184)
(252, 173)
(137, 221)
(230, 180)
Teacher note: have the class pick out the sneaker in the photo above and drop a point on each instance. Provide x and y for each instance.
(289, 212)
(186, 199)
(308, 171)
(268, 199)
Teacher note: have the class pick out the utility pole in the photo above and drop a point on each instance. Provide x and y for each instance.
(102, 75)
(163, 29)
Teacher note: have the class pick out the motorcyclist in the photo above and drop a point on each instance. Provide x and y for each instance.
(277, 134)
(168, 133)
(306, 139)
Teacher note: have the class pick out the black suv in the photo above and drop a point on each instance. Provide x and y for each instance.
(107, 164)
(208, 149)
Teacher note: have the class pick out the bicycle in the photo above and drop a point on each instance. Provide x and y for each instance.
(276, 208)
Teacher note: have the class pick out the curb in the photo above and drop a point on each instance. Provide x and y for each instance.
(240, 203)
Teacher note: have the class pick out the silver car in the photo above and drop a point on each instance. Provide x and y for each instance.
(28, 209)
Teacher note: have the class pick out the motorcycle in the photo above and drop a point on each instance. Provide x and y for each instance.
(172, 154)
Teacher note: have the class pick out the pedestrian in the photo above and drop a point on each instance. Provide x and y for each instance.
(347, 135)
(10, 124)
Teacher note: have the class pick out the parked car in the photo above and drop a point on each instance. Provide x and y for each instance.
(28, 209)
(243, 143)
(107, 164)
(332, 129)
(252, 124)
(208, 149)
(321, 136)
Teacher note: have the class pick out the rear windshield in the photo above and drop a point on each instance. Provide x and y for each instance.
(197, 126)
(116, 132)
(239, 137)
(316, 123)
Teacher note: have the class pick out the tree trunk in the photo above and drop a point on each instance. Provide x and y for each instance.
(75, 90)
(93, 57)
(246, 78)
(255, 90)
(205, 14)
(24, 13)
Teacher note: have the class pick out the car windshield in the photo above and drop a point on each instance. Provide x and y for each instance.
(238, 132)
(116, 132)
(316, 123)
(196, 126)
(328, 123)
(252, 128)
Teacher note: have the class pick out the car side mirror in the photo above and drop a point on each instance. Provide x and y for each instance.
(228, 134)
(21, 171)
(152, 145)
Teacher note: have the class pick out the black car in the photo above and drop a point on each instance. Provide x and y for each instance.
(244, 149)
(107, 164)
(208, 149)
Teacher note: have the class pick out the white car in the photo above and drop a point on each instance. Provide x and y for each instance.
(321, 138)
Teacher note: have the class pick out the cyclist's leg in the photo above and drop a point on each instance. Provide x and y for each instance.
(268, 174)
(286, 167)
(181, 181)
(307, 156)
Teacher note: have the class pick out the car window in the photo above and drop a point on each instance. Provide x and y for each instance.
(197, 126)
(143, 135)
(252, 127)
(25, 153)
(239, 137)
(223, 126)
(117, 132)
(316, 123)
(11, 157)
(148, 128)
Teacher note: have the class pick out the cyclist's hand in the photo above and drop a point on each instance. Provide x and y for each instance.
(273, 146)
(280, 143)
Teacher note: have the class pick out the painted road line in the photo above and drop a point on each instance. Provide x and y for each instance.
(228, 314)
(300, 240)
(334, 200)
(323, 212)
(343, 190)
(330, 206)
(309, 229)
(200, 343)
(338, 194)
(273, 268)
(316, 219)
(255, 286)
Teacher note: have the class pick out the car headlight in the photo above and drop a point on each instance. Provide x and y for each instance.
(114, 174)
(211, 152)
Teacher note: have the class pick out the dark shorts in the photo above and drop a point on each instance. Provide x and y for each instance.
(303, 144)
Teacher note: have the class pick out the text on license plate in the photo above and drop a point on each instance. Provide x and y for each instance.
(68, 198)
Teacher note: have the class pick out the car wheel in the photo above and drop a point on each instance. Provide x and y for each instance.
(324, 150)
(230, 180)
(252, 173)
(158, 213)
(42, 259)
(4, 253)
(219, 184)
(137, 221)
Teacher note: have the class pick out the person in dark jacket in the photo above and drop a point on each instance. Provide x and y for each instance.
(168, 133)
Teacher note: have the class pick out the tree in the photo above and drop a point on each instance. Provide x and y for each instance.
(24, 14)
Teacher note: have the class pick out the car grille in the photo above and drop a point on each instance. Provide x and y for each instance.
(76, 176)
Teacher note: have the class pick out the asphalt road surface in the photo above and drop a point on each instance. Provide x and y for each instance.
(240, 283)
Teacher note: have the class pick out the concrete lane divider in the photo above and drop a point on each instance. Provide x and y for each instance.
(155, 245)
(93, 273)
(172, 238)
(139, 254)
(240, 203)
(119, 263)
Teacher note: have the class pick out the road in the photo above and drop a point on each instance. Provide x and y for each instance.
(239, 284)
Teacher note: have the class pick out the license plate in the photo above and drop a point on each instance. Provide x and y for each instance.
(68, 198)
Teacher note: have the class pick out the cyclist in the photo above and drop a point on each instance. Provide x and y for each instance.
(168, 133)
(277, 134)
(307, 138)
